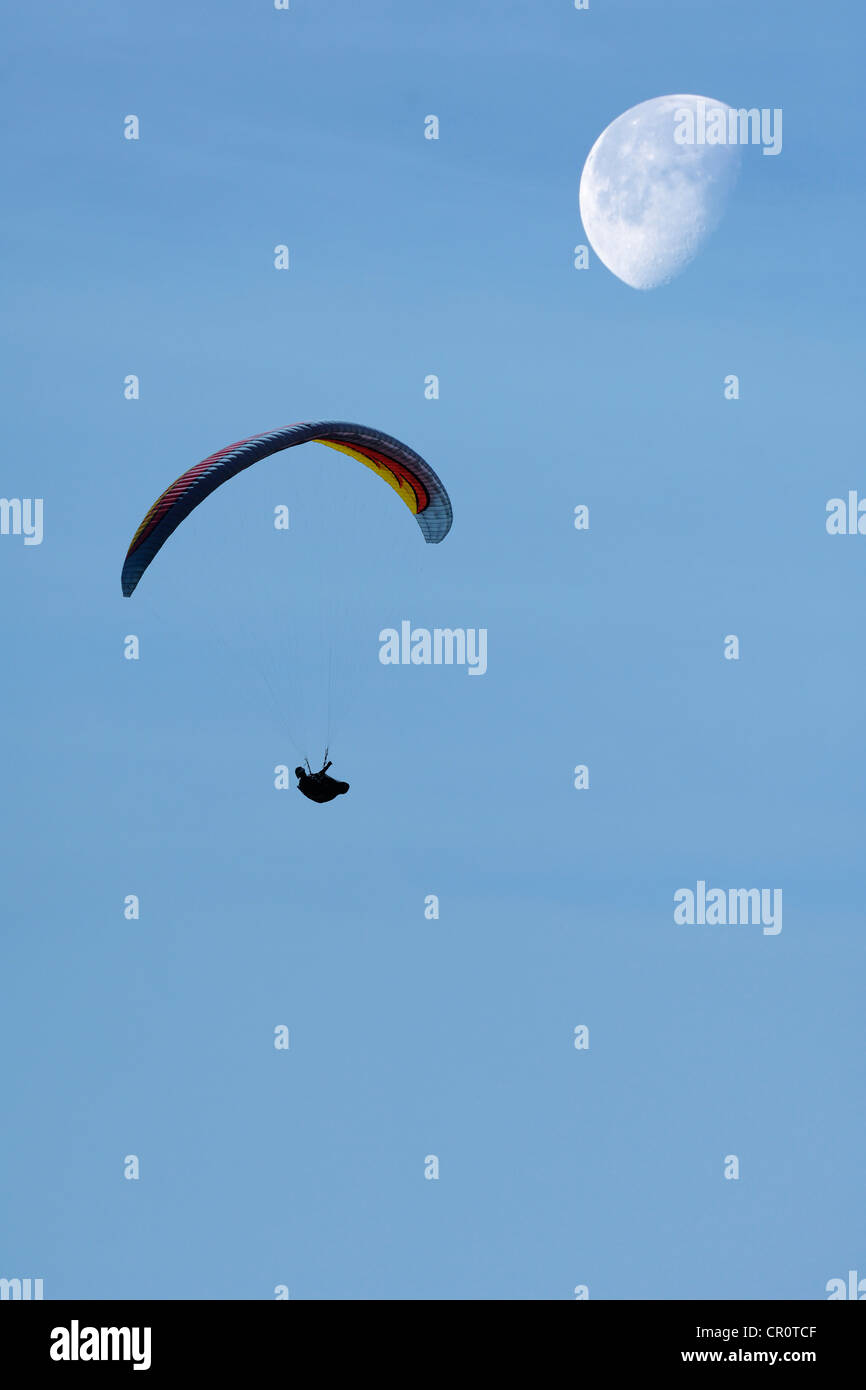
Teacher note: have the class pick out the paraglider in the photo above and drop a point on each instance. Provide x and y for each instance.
(318, 786)
(399, 466)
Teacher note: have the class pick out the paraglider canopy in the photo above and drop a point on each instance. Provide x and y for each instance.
(405, 471)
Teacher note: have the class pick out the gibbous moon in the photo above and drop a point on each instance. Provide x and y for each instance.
(648, 203)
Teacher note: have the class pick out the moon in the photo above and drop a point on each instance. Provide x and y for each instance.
(647, 203)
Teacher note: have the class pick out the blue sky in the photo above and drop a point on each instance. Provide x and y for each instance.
(412, 1037)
